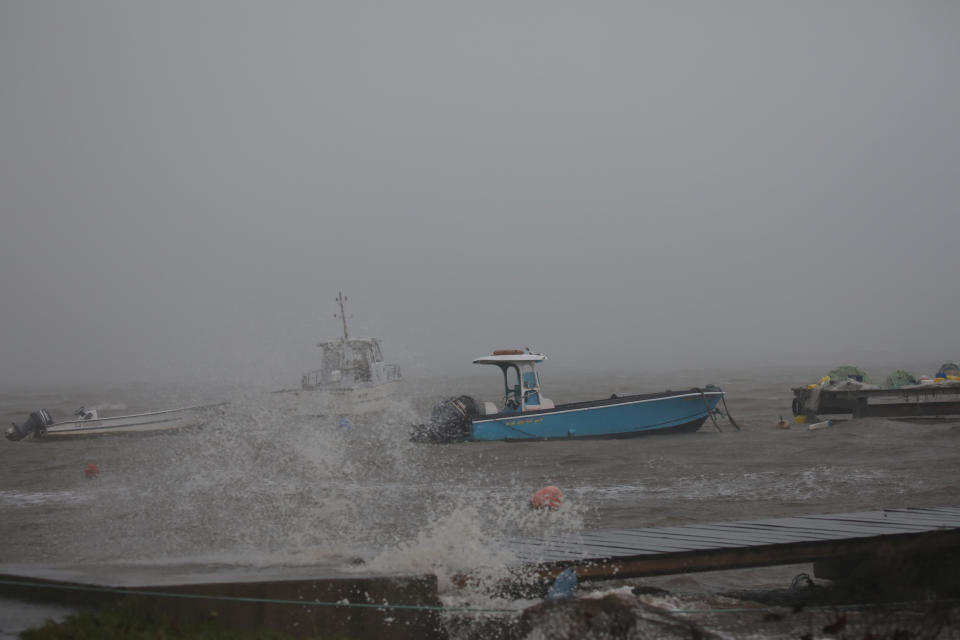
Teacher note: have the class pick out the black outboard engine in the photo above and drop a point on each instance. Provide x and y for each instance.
(36, 423)
(450, 421)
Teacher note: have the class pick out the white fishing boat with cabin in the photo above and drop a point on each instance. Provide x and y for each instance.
(353, 377)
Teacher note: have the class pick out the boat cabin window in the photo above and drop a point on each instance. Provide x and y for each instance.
(530, 380)
(511, 380)
(531, 385)
(362, 355)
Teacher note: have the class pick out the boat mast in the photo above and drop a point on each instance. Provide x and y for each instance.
(343, 316)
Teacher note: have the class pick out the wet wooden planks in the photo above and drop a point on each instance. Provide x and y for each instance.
(727, 545)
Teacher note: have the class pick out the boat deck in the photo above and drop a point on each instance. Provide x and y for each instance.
(605, 402)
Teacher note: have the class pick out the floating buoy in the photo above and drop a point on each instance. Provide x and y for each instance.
(565, 585)
(91, 470)
(547, 498)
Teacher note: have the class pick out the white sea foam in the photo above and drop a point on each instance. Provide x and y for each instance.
(16, 498)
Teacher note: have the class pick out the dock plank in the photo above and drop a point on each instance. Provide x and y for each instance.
(896, 520)
(758, 535)
(922, 516)
(712, 534)
(644, 543)
(850, 527)
(794, 532)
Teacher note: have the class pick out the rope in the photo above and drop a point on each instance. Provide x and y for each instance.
(729, 417)
(306, 603)
(709, 410)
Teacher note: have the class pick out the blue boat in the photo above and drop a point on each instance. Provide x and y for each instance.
(526, 414)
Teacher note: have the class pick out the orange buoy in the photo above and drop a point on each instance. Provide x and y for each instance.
(91, 470)
(547, 498)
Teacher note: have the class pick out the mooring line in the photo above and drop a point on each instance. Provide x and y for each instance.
(729, 417)
(709, 410)
(307, 603)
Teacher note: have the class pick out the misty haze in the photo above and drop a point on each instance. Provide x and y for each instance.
(185, 188)
(656, 195)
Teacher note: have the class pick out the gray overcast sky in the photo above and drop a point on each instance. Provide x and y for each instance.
(184, 186)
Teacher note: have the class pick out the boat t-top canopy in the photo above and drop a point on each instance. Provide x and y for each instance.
(511, 356)
(523, 391)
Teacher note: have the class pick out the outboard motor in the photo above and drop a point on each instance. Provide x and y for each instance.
(450, 421)
(36, 423)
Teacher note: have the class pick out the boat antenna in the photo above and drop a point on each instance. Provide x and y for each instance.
(343, 316)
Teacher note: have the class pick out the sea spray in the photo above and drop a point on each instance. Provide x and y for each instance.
(268, 483)
(467, 539)
(263, 481)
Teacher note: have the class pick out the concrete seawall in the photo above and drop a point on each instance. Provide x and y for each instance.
(298, 600)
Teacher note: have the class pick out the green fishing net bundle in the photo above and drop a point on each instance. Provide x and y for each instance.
(900, 378)
(842, 373)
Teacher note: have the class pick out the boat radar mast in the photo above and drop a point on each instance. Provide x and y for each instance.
(343, 316)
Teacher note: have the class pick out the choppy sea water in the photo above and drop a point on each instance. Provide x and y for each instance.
(268, 484)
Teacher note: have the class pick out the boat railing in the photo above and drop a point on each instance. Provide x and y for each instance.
(312, 379)
(391, 371)
(315, 379)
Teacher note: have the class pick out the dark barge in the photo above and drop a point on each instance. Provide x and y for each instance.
(927, 398)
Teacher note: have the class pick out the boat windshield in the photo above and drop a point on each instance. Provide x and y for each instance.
(520, 387)
(511, 382)
(362, 357)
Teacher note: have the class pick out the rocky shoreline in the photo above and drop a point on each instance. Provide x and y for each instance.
(806, 609)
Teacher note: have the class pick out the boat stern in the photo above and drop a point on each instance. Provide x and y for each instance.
(450, 421)
(35, 424)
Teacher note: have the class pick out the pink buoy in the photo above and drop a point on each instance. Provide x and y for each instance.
(547, 498)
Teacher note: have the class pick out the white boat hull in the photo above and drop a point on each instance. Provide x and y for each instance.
(156, 421)
(348, 400)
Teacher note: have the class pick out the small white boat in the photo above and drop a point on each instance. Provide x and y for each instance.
(88, 423)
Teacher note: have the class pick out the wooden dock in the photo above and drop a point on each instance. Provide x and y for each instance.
(829, 541)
